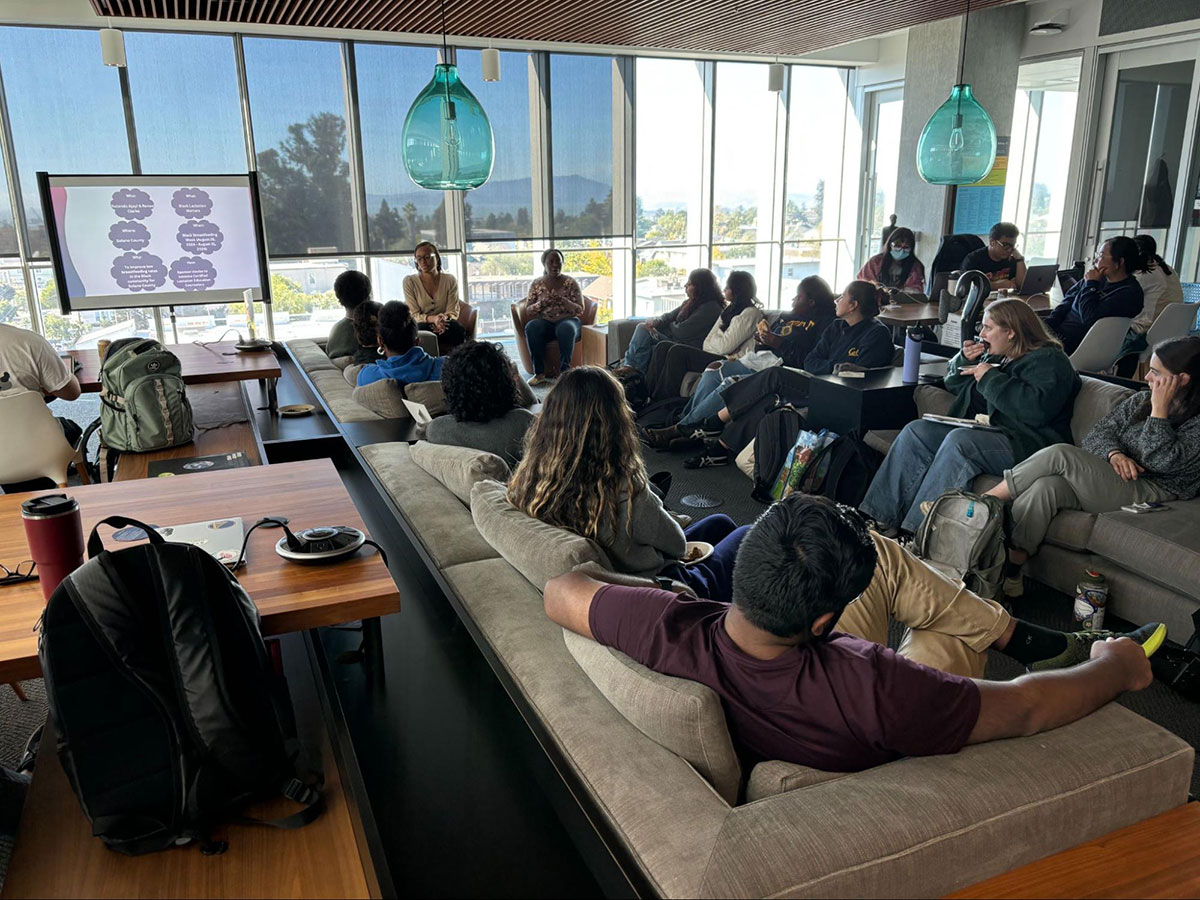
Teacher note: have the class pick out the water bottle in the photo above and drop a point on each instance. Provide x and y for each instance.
(912, 359)
(55, 535)
(1091, 596)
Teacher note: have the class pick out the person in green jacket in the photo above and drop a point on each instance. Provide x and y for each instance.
(1019, 376)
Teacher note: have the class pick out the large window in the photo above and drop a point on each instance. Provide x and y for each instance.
(399, 214)
(670, 151)
(185, 123)
(1040, 154)
(502, 210)
(65, 110)
(298, 107)
(581, 90)
(747, 115)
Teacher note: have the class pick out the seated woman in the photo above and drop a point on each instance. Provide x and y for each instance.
(896, 267)
(1160, 287)
(786, 342)
(689, 323)
(351, 289)
(854, 337)
(731, 335)
(1018, 375)
(404, 360)
(1108, 289)
(432, 298)
(1146, 450)
(365, 320)
(485, 401)
(583, 471)
(554, 304)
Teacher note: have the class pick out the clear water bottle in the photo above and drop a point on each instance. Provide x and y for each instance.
(1091, 596)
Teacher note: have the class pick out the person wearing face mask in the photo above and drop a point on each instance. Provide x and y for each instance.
(1108, 289)
(999, 260)
(896, 267)
(1019, 376)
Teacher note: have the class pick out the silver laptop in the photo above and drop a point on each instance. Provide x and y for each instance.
(1038, 279)
(221, 538)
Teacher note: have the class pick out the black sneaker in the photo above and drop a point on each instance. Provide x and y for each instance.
(1079, 645)
(707, 460)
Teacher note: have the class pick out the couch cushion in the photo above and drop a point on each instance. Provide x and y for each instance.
(459, 468)
(1071, 528)
(777, 777)
(310, 356)
(441, 523)
(384, 398)
(536, 550)
(339, 396)
(684, 716)
(343, 363)
(1163, 546)
(428, 393)
(350, 371)
(1094, 401)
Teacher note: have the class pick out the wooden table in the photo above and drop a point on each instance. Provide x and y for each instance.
(904, 315)
(205, 364)
(1156, 858)
(881, 399)
(223, 425)
(289, 596)
(56, 855)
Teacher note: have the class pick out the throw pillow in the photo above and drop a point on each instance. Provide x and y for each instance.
(428, 393)
(350, 370)
(536, 550)
(683, 716)
(384, 397)
(458, 468)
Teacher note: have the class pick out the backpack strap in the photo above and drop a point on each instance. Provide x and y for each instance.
(95, 546)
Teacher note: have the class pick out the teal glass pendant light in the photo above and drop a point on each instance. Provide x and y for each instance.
(447, 138)
(958, 143)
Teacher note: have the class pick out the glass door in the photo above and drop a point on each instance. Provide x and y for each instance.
(1146, 120)
(882, 158)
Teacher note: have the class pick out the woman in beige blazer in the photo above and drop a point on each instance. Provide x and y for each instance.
(432, 297)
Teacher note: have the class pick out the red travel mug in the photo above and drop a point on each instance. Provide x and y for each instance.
(55, 535)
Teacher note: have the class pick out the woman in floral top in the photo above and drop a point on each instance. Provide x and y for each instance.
(555, 304)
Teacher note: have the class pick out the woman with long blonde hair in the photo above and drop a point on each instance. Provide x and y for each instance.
(1019, 376)
(582, 470)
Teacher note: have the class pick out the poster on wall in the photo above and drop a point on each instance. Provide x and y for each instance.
(979, 206)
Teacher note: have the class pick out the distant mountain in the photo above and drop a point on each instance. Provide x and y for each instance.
(571, 194)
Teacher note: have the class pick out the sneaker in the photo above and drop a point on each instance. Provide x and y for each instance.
(706, 460)
(1079, 645)
(538, 380)
(660, 438)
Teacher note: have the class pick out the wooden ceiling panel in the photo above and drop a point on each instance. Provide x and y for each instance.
(760, 27)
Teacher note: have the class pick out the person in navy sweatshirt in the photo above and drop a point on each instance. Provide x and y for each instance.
(1107, 290)
(404, 360)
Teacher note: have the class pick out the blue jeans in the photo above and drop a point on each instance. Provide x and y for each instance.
(706, 399)
(712, 579)
(927, 460)
(539, 333)
(641, 346)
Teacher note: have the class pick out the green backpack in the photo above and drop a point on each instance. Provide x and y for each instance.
(143, 405)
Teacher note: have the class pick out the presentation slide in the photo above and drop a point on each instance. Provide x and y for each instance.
(153, 240)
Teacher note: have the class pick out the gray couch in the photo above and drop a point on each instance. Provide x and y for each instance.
(1151, 562)
(656, 766)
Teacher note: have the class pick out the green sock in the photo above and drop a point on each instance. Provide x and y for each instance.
(1032, 643)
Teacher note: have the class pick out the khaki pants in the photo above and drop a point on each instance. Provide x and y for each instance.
(1064, 476)
(948, 627)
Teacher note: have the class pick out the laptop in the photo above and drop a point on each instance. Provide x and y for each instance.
(1038, 280)
(221, 538)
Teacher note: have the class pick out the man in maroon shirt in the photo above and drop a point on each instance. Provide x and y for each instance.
(795, 686)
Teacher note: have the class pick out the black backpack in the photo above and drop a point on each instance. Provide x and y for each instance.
(773, 441)
(169, 714)
(852, 466)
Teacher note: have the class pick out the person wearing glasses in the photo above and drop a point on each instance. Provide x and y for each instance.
(1109, 289)
(487, 401)
(896, 268)
(999, 260)
(800, 662)
(432, 298)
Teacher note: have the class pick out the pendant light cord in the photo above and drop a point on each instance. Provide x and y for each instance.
(446, 51)
(962, 53)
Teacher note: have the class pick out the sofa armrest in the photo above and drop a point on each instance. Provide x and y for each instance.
(620, 333)
(930, 825)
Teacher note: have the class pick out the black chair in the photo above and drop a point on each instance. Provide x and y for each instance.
(951, 251)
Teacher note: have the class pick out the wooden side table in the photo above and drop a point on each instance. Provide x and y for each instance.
(595, 345)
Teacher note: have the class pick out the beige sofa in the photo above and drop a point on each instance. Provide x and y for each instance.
(654, 764)
(1152, 562)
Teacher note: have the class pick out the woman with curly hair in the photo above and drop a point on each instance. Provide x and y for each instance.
(364, 319)
(486, 400)
(583, 471)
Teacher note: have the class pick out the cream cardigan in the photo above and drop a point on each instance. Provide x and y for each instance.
(422, 305)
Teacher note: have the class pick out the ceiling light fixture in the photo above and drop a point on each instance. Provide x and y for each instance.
(775, 77)
(447, 138)
(491, 65)
(958, 143)
(112, 47)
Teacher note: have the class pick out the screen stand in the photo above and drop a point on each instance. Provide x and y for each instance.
(174, 328)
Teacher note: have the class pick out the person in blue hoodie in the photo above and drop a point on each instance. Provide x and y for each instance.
(404, 360)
